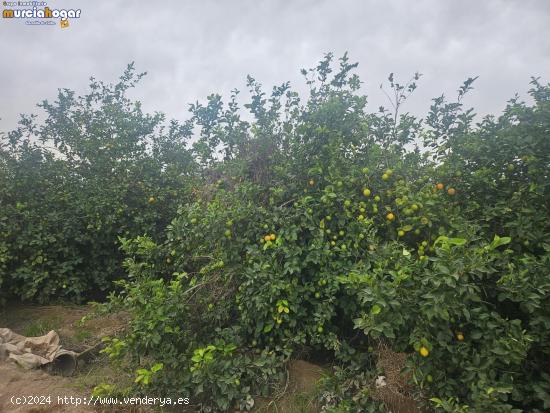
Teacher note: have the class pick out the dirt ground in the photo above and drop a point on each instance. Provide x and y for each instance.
(16, 382)
(296, 395)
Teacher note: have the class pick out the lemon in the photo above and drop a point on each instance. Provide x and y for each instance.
(366, 192)
(424, 352)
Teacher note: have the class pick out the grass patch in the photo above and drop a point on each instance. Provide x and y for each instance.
(41, 327)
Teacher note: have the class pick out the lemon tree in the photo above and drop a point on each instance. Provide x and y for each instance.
(294, 226)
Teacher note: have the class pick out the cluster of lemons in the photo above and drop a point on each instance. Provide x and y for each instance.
(424, 352)
(450, 190)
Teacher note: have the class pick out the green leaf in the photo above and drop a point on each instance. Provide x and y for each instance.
(498, 241)
(156, 367)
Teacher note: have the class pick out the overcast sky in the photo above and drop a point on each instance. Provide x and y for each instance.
(193, 48)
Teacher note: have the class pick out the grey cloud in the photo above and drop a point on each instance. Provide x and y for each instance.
(193, 48)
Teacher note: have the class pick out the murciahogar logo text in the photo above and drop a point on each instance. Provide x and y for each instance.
(45, 13)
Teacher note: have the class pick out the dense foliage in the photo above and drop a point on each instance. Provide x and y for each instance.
(314, 228)
(95, 169)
